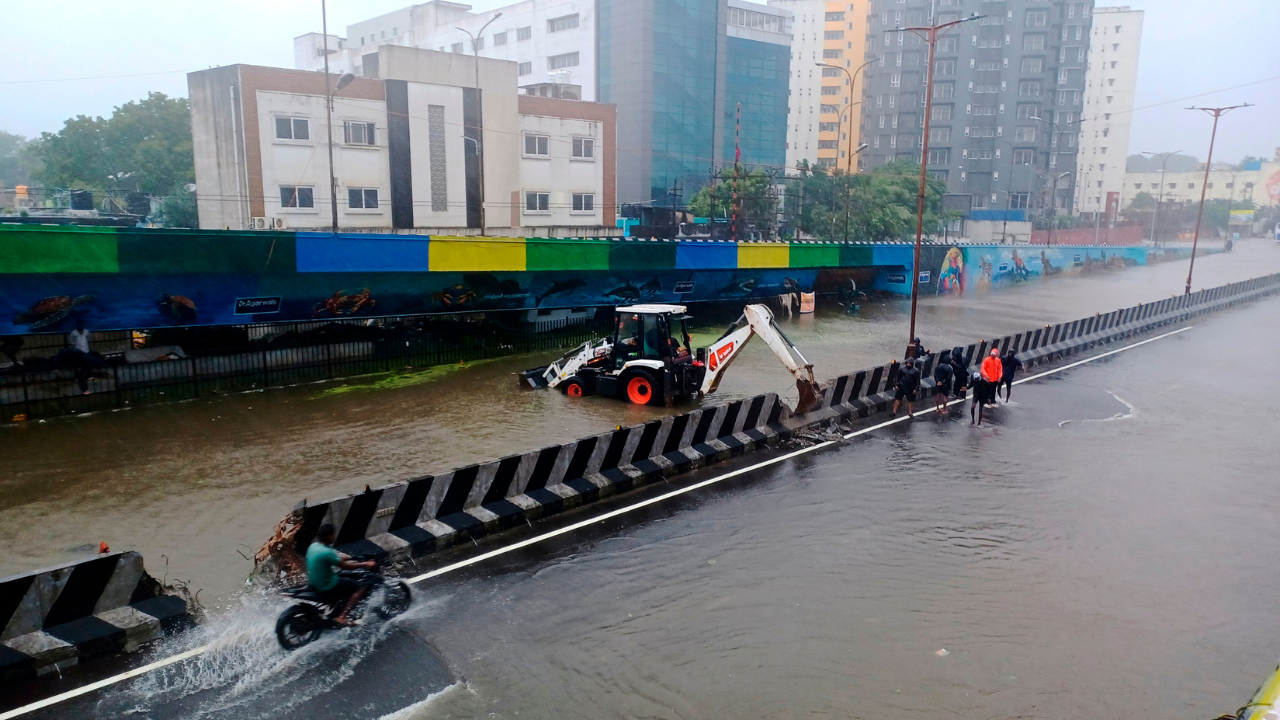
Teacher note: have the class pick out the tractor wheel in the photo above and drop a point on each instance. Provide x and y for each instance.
(642, 389)
(574, 387)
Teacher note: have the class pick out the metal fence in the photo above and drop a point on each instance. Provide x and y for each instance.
(37, 388)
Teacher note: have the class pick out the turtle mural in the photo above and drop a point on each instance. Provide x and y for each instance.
(343, 302)
(50, 310)
(180, 307)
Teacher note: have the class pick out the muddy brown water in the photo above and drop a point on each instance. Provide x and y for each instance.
(197, 486)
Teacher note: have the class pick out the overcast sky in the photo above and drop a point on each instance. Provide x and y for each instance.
(1189, 47)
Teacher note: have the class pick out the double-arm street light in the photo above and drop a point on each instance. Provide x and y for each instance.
(853, 78)
(479, 139)
(1217, 113)
(1155, 214)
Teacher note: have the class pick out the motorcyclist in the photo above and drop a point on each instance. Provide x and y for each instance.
(322, 565)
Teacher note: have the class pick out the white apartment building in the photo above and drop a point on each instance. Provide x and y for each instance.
(404, 150)
(1259, 182)
(550, 41)
(803, 116)
(1111, 79)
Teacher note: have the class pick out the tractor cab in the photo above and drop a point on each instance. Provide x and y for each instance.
(650, 332)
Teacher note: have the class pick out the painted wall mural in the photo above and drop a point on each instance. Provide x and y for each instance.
(981, 268)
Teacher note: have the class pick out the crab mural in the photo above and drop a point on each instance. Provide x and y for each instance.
(344, 302)
(50, 310)
(180, 307)
(459, 294)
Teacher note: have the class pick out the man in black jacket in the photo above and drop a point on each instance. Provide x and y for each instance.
(1011, 365)
(907, 385)
(942, 377)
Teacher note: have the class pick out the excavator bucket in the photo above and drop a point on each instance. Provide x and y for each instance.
(810, 397)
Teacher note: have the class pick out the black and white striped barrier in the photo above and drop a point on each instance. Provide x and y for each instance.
(429, 513)
(84, 610)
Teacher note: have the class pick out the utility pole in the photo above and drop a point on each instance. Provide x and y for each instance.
(1217, 113)
(848, 186)
(328, 114)
(930, 36)
(737, 157)
(1053, 219)
(475, 53)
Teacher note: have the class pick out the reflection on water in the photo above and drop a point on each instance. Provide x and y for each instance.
(198, 486)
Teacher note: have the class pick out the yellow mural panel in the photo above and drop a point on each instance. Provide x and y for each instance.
(764, 255)
(467, 254)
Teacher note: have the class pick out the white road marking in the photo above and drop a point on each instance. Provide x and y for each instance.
(63, 697)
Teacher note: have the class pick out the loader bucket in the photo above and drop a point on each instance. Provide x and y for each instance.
(810, 397)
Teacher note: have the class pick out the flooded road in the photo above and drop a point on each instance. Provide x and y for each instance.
(197, 486)
(1103, 550)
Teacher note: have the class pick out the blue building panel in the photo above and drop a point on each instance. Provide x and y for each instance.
(706, 255)
(324, 252)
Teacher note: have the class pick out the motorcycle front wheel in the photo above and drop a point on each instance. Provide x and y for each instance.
(298, 626)
(395, 600)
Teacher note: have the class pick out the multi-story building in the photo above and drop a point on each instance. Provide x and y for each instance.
(823, 125)
(1008, 96)
(1256, 181)
(406, 142)
(677, 73)
(1110, 81)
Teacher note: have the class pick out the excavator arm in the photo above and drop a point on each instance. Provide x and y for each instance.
(758, 320)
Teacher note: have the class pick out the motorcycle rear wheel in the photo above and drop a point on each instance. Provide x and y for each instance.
(395, 600)
(298, 626)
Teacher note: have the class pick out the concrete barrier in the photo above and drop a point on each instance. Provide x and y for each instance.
(425, 514)
(80, 611)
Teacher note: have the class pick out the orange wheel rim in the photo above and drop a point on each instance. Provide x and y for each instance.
(574, 390)
(639, 390)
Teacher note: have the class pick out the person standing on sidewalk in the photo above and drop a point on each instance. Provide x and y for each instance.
(942, 377)
(1011, 365)
(906, 386)
(960, 372)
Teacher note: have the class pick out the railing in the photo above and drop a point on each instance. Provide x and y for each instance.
(39, 389)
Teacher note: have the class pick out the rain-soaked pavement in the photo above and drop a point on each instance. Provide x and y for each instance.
(1103, 550)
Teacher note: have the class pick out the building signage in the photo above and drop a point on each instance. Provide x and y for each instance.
(898, 279)
(258, 305)
(924, 276)
(1241, 217)
(684, 286)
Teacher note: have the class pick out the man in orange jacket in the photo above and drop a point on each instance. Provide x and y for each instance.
(984, 390)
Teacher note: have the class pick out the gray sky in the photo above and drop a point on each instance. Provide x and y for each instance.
(1189, 47)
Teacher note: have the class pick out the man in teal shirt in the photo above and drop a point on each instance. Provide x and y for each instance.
(323, 562)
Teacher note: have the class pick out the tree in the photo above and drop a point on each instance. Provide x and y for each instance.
(179, 209)
(879, 206)
(757, 203)
(1143, 201)
(16, 159)
(145, 146)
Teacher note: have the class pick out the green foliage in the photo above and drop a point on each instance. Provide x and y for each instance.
(179, 209)
(145, 146)
(16, 159)
(878, 206)
(756, 199)
(1143, 201)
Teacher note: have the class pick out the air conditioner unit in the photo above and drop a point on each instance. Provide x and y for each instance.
(259, 223)
(277, 223)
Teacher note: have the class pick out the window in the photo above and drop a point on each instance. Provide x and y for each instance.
(988, 65)
(895, 80)
(985, 110)
(537, 202)
(831, 72)
(1137, 186)
(1032, 65)
(944, 90)
(1023, 156)
(948, 44)
(456, 47)
(1026, 111)
(556, 62)
(1062, 77)
(293, 128)
(1230, 185)
(1025, 134)
(584, 202)
(944, 67)
(560, 24)
(829, 109)
(828, 144)
(1029, 88)
(1037, 18)
(1173, 186)
(536, 145)
(499, 39)
(362, 198)
(981, 154)
(584, 148)
(828, 127)
(359, 133)
(940, 157)
(830, 90)
(525, 68)
(524, 33)
(1019, 201)
(1033, 42)
(982, 132)
(292, 196)
(831, 54)
(835, 17)
(940, 134)
(986, 88)
(833, 35)
(941, 112)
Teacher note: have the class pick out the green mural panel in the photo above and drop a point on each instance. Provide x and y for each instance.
(855, 256)
(28, 249)
(639, 255)
(182, 252)
(554, 254)
(803, 255)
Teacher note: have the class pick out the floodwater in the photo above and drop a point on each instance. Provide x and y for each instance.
(1104, 549)
(198, 486)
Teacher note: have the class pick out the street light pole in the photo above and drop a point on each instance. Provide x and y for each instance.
(328, 114)
(930, 36)
(1217, 113)
(1054, 203)
(1155, 215)
(475, 52)
(853, 78)
(848, 183)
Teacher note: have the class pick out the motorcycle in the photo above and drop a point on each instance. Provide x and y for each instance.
(304, 622)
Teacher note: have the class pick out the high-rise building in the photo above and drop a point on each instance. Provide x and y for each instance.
(1008, 96)
(677, 70)
(823, 125)
(1110, 83)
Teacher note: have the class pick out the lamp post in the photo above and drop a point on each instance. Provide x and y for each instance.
(1008, 194)
(475, 52)
(853, 78)
(1053, 154)
(1054, 203)
(930, 35)
(343, 81)
(1155, 214)
(1217, 113)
